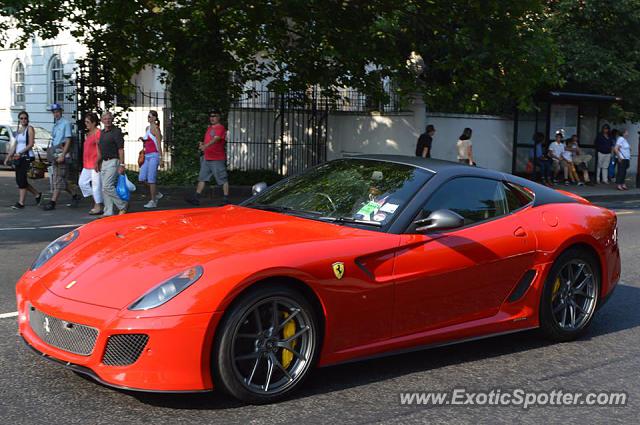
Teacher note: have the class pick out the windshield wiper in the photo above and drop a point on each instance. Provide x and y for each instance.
(283, 209)
(351, 220)
(268, 207)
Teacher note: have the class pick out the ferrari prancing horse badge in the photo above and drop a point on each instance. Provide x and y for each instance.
(338, 269)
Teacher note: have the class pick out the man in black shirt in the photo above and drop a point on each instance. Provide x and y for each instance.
(110, 164)
(423, 148)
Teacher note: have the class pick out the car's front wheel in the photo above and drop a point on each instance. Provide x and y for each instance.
(570, 295)
(266, 344)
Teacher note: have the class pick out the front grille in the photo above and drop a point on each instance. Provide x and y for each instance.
(124, 349)
(67, 336)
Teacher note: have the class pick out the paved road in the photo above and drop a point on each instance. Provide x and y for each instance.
(36, 391)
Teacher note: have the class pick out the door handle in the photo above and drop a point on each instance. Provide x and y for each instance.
(519, 232)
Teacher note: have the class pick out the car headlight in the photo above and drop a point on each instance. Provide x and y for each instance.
(53, 248)
(168, 289)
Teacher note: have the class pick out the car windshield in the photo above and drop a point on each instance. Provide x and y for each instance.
(351, 191)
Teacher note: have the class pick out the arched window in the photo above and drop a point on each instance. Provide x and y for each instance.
(56, 80)
(17, 83)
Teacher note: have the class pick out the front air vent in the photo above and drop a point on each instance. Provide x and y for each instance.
(124, 349)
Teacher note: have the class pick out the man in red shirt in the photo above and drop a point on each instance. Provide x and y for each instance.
(212, 164)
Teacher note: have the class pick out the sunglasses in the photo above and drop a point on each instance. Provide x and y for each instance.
(23, 118)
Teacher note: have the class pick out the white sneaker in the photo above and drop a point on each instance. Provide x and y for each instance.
(159, 196)
(151, 204)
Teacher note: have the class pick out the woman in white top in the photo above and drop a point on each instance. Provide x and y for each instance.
(21, 156)
(622, 150)
(465, 151)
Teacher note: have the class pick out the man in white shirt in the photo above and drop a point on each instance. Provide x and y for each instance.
(556, 150)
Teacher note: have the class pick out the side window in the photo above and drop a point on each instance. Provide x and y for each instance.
(475, 199)
(516, 196)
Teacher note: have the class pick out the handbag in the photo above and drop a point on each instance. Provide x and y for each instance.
(37, 168)
(528, 169)
(141, 158)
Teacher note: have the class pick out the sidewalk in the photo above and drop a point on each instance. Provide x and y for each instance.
(34, 216)
(603, 192)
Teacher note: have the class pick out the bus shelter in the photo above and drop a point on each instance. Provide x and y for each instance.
(573, 113)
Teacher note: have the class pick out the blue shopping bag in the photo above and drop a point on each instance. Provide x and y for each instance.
(121, 188)
(612, 167)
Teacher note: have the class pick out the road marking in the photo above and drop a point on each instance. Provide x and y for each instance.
(7, 315)
(57, 226)
(625, 212)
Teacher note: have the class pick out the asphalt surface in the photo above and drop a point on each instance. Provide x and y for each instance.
(34, 390)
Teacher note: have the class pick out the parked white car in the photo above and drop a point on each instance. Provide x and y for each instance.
(7, 138)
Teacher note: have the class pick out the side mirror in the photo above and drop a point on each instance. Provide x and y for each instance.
(439, 220)
(258, 187)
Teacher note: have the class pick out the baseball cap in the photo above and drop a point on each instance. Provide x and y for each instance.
(56, 107)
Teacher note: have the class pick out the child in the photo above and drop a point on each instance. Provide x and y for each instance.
(570, 169)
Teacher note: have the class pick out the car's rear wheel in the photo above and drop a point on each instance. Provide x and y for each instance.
(570, 295)
(266, 345)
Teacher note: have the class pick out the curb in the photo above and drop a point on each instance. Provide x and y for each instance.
(606, 198)
(210, 190)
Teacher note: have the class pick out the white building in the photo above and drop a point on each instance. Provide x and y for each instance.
(33, 78)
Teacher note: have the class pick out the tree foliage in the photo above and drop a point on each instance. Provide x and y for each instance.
(480, 55)
(599, 44)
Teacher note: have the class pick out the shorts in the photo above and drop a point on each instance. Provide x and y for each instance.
(149, 169)
(59, 176)
(216, 169)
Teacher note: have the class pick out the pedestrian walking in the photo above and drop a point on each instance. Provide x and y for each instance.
(212, 163)
(622, 150)
(465, 150)
(152, 146)
(20, 157)
(604, 144)
(425, 141)
(59, 157)
(110, 164)
(89, 182)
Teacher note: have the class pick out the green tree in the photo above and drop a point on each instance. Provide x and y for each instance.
(480, 55)
(599, 44)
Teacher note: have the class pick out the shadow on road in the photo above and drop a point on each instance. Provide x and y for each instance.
(619, 314)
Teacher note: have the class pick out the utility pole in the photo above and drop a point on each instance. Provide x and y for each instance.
(638, 164)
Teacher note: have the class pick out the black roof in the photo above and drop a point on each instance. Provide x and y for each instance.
(556, 96)
(434, 165)
(447, 169)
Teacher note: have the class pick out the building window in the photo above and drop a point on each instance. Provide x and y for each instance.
(17, 83)
(56, 80)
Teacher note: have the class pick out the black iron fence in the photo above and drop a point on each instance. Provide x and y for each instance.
(285, 133)
(281, 132)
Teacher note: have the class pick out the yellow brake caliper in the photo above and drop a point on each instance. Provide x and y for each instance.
(556, 286)
(287, 332)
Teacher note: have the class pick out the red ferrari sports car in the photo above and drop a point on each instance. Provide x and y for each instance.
(354, 258)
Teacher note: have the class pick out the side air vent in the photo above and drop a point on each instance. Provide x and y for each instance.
(522, 286)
